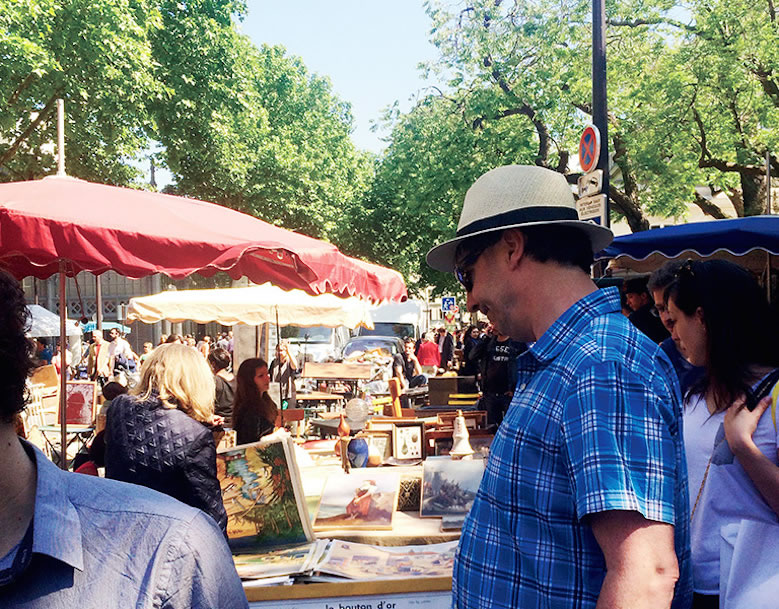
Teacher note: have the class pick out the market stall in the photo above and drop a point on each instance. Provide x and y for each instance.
(751, 242)
(65, 225)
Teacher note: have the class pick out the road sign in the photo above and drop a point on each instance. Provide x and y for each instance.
(448, 304)
(589, 148)
(591, 184)
(592, 209)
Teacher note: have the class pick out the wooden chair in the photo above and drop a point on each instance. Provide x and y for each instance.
(395, 391)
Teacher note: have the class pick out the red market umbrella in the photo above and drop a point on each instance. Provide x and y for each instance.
(66, 225)
(94, 227)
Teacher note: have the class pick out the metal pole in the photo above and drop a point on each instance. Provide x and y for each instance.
(60, 137)
(277, 368)
(768, 181)
(99, 303)
(599, 107)
(63, 370)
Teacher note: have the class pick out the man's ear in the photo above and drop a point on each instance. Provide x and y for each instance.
(513, 240)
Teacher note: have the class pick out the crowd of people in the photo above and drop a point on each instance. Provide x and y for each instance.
(626, 441)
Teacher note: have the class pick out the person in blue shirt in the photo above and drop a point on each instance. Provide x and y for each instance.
(70, 540)
(584, 499)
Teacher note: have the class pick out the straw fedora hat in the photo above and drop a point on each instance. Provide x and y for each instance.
(512, 196)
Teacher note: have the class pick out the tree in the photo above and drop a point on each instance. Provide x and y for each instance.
(96, 55)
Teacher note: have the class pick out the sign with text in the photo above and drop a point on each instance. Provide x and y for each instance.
(592, 209)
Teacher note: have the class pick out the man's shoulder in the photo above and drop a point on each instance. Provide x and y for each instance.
(611, 338)
(122, 499)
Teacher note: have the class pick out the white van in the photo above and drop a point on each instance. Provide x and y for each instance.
(315, 344)
(401, 319)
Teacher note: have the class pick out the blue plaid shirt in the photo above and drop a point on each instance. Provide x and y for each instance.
(594, 425)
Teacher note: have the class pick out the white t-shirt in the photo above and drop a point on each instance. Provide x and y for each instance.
(119, 346)
(728, 495)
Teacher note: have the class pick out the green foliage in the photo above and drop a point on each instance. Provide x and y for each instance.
(245, 127)
(693, 95)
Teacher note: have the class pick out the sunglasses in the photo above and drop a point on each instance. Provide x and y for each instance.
(463, 271)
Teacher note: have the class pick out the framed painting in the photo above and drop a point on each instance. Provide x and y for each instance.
(380, 440)
(362, 499)
(449, 487)
(408, 441)
(263, 496)
(80, 403)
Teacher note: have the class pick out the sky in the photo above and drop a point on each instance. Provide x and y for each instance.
(368, 49)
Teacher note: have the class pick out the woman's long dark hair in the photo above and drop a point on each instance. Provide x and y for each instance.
(740, 329)
(247, 396)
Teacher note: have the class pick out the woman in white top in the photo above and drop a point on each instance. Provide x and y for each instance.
(722, 320)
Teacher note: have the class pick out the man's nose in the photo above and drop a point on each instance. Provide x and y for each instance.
(471, 304)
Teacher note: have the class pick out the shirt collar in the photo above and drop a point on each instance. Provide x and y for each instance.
(56, 525)
(573, 322)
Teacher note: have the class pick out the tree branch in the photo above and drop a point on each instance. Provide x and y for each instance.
(627, 208)
(542, 158)
(11, 151)
(639, 22)
(22, 86)
(708, 208)
(772, 11)
(765, 78)
(627, 200)
(707, 162)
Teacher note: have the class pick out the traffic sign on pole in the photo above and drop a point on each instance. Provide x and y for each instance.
(591, 184)
(592, 209)
(448, 304)
(589, 148)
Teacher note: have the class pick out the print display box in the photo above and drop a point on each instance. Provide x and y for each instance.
(263, 496)
(362, 499)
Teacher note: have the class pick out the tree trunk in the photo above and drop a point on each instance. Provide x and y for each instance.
(753, 190)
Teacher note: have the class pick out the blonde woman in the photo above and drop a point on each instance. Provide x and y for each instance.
(159, 436)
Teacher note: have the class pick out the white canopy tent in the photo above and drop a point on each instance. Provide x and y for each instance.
(44, 323)
(254, 305)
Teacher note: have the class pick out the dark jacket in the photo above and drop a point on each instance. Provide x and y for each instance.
(225, 395)
(250, 425)
(447, 351)
(164, 449)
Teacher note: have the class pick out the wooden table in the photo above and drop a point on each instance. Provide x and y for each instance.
(416, 592)
(333, 371)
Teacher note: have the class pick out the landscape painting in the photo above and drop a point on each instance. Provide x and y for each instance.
(358, 500)
(263, 496)
(449, 487)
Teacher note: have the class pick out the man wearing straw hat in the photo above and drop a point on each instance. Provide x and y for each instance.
(584, 499)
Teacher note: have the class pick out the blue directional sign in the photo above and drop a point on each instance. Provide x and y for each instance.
(448, 304)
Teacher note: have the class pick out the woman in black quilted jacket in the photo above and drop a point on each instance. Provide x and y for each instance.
(160, 436)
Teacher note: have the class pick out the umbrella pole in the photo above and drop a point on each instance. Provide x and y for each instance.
(63, 370)
(277, 368)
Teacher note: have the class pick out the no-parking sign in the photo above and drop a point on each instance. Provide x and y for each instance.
(589, 148)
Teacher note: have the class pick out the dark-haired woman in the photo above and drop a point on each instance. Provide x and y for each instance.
(254, 413)
(723, 322)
